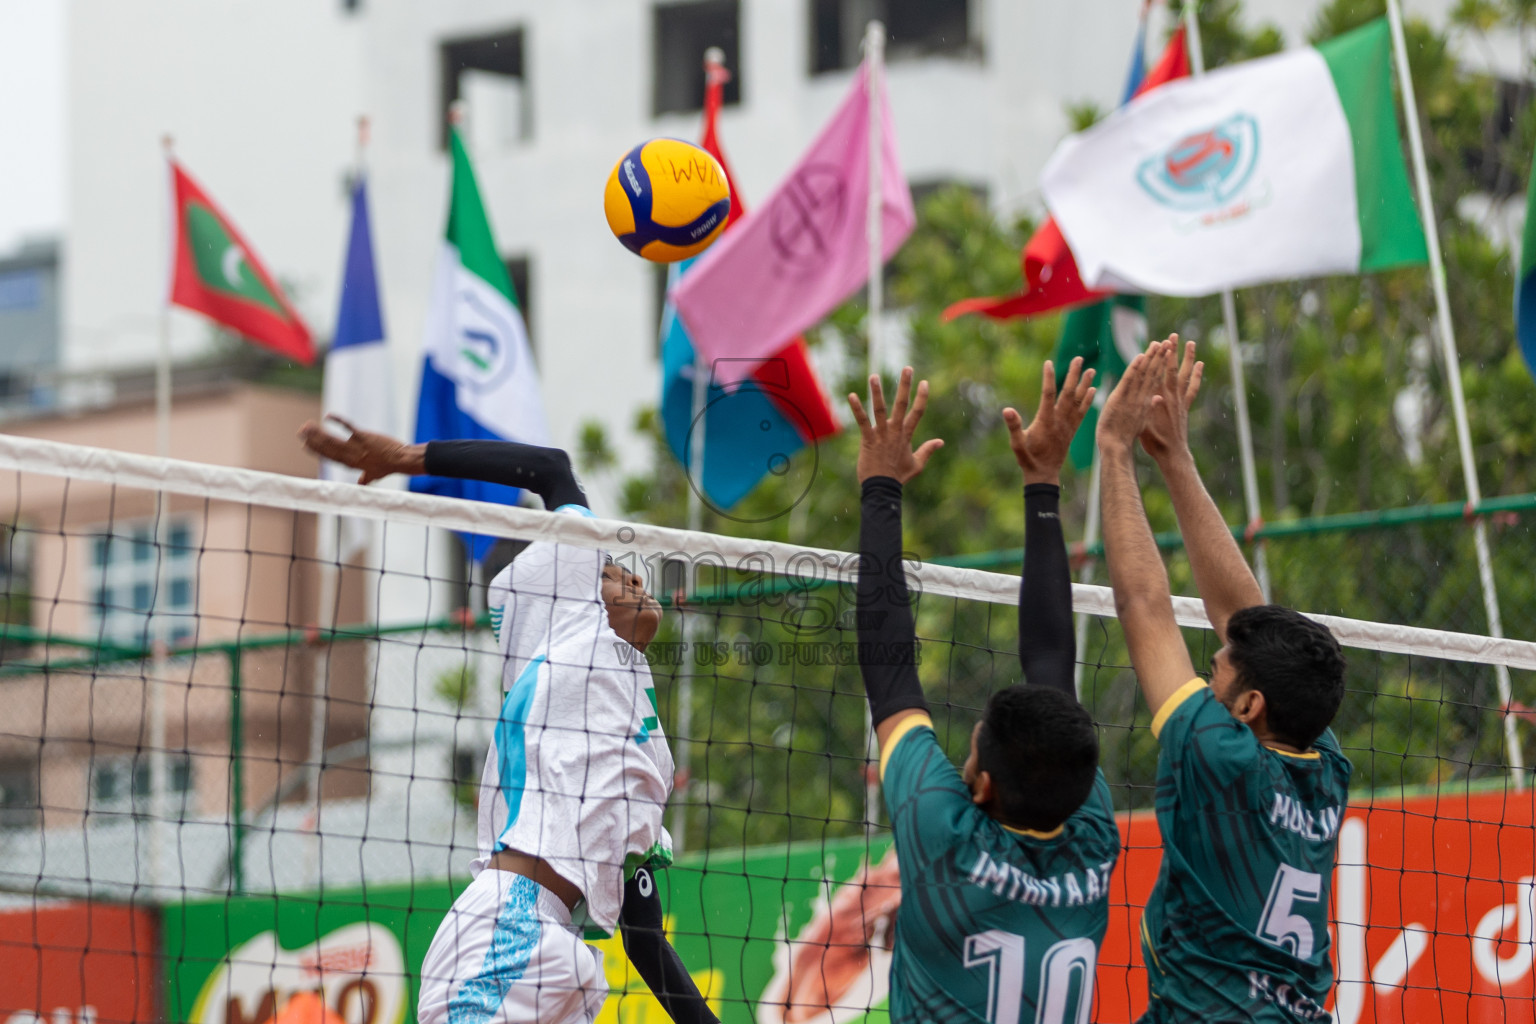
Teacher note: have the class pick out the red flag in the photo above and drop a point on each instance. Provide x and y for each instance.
(218, 275)
(787, 376)
(1051, 277)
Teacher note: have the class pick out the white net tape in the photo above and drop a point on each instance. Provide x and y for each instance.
(273, 490)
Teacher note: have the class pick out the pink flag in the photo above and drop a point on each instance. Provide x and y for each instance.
(793, 259)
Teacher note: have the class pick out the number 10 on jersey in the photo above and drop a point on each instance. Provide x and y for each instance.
(1066, 978)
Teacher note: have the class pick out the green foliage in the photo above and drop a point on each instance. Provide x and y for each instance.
(457, 686)
(1084, 115)
(1328, 362)
(593, 452)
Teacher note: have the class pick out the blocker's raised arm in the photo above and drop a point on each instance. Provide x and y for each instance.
(887, 636)
(1047, 644)
(1136, 572)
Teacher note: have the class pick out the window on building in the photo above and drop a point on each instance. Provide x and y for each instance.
(489, 74)
(914, 28)
(122, 580)
(682, 32)
(122, 784)
(520, 270)
(20, 799)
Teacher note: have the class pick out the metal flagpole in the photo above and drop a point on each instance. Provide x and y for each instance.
(1239, 381)
(331, 547)
(874, 57)
(1090, 536)
(714, 71)
(159, 668)
(1447, 334)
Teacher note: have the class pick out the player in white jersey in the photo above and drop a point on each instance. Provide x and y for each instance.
(577, 777)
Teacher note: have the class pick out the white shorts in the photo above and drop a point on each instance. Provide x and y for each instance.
(507, 952)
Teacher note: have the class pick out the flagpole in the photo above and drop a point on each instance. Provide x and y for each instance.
(331, 548)
(1447, 334)
(874, 57)
(714, 74)
(1090, 537)
(1239, 380)
(157, 839)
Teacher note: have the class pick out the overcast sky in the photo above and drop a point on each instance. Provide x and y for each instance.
(31, 119)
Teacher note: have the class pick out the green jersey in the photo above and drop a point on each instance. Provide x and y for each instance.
(996, 924)
(1237, 925)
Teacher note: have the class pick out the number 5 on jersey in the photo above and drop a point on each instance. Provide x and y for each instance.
(1280, 925)
(1066, 977)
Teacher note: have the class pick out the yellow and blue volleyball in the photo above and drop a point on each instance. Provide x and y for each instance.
(667, 200)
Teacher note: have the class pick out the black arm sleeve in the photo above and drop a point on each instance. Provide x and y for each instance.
(646, 945)
(544, 471)
(887, 636)
(1047, 644)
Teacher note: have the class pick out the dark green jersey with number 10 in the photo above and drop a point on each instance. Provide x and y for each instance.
(996, 924)
(1237, 926)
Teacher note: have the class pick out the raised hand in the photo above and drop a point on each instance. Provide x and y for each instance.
(1041, 449)
(376, 455)
(1167, 431)
(885, 444)
(1130, 405)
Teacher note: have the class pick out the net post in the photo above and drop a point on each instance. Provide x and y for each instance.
(236, 773)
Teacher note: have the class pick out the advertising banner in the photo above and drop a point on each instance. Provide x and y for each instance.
(240, 960)
(1434, 919)
(1434, 911)
(72, 962)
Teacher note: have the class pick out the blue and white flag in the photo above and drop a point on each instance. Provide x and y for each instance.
(478, 380)
(357, 378)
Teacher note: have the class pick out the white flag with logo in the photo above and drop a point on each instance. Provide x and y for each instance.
(1283, 167)
(478, 380)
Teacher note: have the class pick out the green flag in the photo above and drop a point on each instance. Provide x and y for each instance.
(1108, 335)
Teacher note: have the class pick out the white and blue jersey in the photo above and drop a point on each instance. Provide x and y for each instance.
(579, 772)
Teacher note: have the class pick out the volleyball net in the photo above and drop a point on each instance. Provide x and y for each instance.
(245, 717)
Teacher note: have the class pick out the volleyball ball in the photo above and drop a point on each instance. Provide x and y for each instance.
(667, 200)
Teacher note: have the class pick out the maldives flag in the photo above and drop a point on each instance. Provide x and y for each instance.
(1051, 277)
(757, 412)
(217, 274)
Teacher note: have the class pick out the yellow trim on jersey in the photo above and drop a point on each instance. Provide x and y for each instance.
(1146, 941)
(1171, 705)
(906, 725)
(1031, 833)
(1310, 755)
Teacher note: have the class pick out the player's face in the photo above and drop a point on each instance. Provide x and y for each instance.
(634, 614)
(1224, 686)
(968, 772)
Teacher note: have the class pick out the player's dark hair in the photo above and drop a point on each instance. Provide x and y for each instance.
(1041, 749)
(1295, 663)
